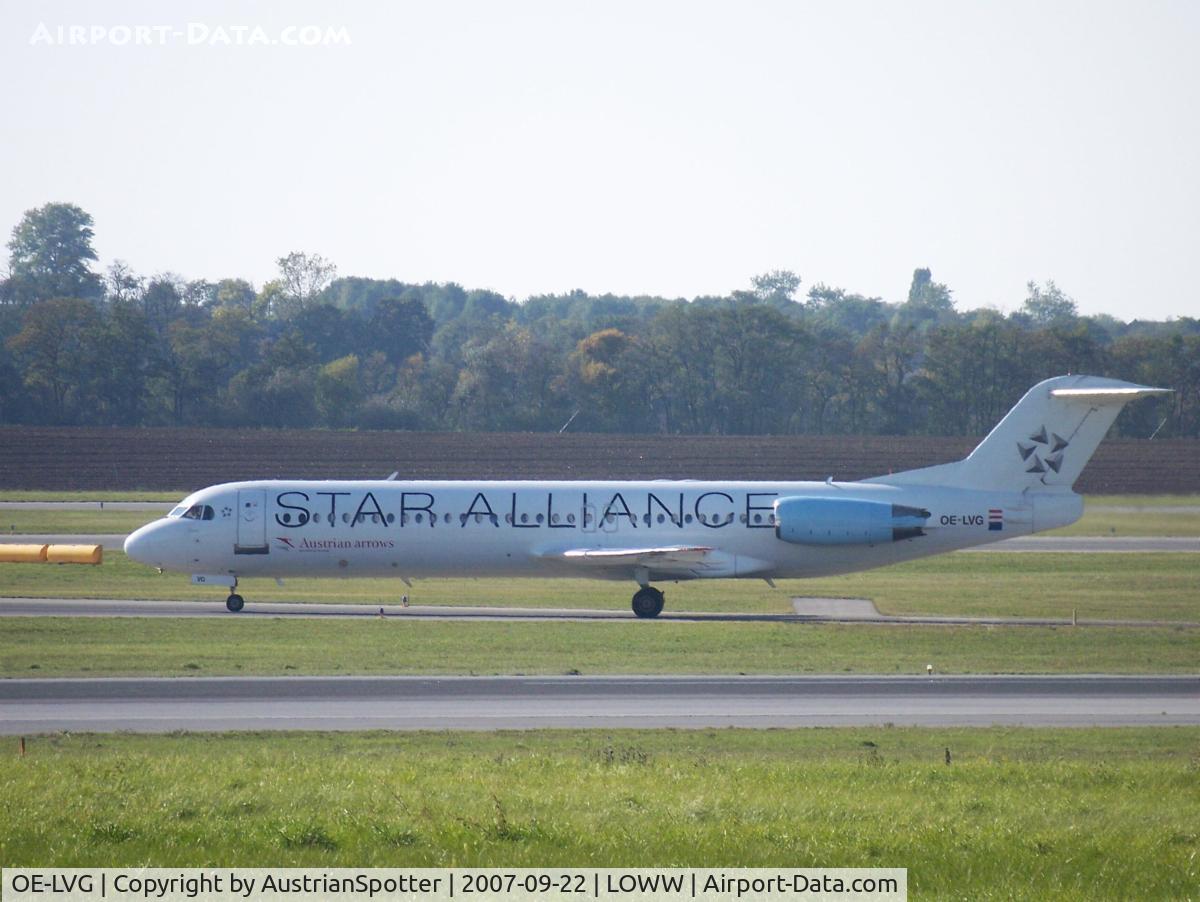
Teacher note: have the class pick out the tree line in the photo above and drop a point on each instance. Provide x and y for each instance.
(312, 348)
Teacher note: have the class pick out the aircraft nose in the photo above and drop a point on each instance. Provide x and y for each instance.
(140, 545)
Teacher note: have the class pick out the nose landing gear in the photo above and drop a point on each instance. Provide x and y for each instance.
(235, 602)
(647, 602)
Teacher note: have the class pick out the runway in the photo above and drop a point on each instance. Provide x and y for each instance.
(805, 610)
(1020, 544)
(495, 703)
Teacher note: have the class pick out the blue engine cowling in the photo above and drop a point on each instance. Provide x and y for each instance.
(846, 521)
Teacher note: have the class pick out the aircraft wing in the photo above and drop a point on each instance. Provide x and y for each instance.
(678, 561)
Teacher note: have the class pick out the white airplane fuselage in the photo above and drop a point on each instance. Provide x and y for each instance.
(1017, 481)
(432, 529)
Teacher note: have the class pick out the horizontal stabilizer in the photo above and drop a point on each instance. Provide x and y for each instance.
(1109, 395)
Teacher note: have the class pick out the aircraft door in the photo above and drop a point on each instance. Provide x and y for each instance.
(251, 522)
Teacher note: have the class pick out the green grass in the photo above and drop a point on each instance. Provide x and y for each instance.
(1107, 522)
(1132, 586)
(1141, 500)
(1097, 586)
(92, 495)
(1065, 814)
(34, 522)
(50, 646)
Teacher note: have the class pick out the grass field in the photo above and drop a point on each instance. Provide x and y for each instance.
(34, 522)
(1141, 500)
(1136, 515)
(52, 495)
(1115, 816)
(53, 647)
(1097, 586)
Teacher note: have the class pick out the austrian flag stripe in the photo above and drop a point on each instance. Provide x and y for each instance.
(995, 519)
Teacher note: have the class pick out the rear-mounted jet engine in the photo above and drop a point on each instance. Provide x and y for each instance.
(846, 521)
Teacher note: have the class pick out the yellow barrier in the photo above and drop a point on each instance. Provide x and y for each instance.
(74, 554)
(23, 554)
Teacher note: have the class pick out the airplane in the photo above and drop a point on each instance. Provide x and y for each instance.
(1017, 481)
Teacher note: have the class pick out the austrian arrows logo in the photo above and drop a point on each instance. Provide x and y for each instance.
(285, 543)
(1043, 452)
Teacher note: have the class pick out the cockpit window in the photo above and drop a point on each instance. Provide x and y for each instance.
(178, 512)
(197, 512)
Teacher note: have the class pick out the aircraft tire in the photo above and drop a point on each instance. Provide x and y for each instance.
(648, 602)
(235, 602)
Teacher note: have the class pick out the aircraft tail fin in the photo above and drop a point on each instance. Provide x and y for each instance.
(1044, 441)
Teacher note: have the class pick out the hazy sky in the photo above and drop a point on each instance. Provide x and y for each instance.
(647, 147)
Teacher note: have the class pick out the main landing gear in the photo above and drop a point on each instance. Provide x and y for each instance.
(235, 602)
(648, 602)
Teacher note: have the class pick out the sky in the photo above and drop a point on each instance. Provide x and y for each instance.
(665, 148)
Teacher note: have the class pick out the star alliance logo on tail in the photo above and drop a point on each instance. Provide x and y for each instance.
(1043, 452)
